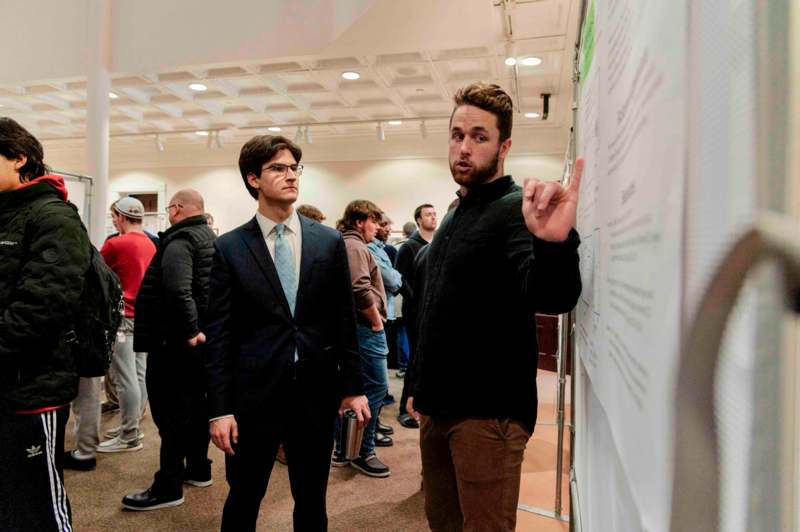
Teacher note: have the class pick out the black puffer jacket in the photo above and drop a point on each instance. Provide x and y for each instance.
(173, 299)
(44, 255)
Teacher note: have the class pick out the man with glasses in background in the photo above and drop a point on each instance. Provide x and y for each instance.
(170, 311)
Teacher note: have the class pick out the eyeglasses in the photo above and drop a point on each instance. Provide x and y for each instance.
(173, 206)
(283, 169)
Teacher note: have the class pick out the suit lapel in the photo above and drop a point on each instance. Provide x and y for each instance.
(307, 256)
(254, 241)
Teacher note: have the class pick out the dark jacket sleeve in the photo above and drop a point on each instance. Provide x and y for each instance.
(50, 283)
(219, 360)
(405, 265)
(418, 278)
(177, 271)
(349, 359)
(547, 273)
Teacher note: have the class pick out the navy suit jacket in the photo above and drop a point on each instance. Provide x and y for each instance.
(252, 335)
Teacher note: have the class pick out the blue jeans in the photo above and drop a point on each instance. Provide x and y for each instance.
(402, 346)
(374, 374)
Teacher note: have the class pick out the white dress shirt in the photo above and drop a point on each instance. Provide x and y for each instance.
(293, 235)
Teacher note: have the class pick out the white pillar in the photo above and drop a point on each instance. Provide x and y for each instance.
(97, 117)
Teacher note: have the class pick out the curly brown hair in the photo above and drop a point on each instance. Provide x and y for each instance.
(356, 211)
(490, 98)
(309, 211)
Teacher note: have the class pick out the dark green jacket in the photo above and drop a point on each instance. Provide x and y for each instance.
(44, 255)
(485, 278)
(173, 299)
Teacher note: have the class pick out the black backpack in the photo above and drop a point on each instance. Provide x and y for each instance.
(99, 315)
(98, 318)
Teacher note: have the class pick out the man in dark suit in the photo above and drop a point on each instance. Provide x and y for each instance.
(282, 348)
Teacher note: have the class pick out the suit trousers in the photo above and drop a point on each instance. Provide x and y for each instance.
(176, 390)
(307, 439)
(471, 472)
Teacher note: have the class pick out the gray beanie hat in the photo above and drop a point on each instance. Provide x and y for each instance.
(130, 207)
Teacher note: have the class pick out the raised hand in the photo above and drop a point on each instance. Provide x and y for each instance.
(550, 209)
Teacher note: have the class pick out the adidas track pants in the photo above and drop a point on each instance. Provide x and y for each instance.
(32, 495)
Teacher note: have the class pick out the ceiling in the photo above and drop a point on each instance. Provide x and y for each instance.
(408, 66)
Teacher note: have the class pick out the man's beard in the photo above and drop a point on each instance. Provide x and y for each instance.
(477, 175)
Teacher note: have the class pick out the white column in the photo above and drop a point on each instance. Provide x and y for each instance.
(97, 118)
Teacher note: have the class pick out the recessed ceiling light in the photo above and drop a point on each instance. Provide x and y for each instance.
(199, 87)
(531, 61)
(395, 122)
(274, 128)
(350, 75)
(511, 61)
(531, 115)
(201, 133)
(113, 95)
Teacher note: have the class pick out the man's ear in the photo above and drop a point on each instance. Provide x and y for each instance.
(252, 179)
(20, 161)
(504, 147)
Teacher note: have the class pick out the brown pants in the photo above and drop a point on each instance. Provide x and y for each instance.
(471, 470)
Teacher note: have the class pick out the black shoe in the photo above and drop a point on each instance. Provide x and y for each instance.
(199, 481)
(149, 500)
(407, 421)
(389, 399)
(384, 429)
(198, 475)
(339, 460)
(382, 440)
(371, 466)
(79, 464)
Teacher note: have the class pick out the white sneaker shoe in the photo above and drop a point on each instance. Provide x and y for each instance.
(116, 431)
(118, 445)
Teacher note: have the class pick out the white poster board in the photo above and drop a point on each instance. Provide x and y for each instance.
(631, 132)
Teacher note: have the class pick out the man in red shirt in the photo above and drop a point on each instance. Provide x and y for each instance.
(128, 255)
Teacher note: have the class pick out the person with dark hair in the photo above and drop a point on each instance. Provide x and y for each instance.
(44, 256)
(282, 353)
(503, 254)
(392, 283)
(309, 211)
(425, 218)
(171, 308)
(358, 226)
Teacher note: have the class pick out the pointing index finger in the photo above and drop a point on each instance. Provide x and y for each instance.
(577, 172)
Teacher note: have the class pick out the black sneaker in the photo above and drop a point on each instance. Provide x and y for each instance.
(382, 440)
(384, 429)
(371, 466)
(389, 399)
(149, 500)
(79, 464)
(407, 421)
(339, 460)
(199, 481)
(198, 475)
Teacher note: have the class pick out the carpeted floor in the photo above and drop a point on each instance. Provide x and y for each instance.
(355, 502)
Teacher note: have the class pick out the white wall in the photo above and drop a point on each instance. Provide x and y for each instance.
(396, 185)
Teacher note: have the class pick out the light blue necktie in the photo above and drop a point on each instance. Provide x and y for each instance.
(284, 263)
